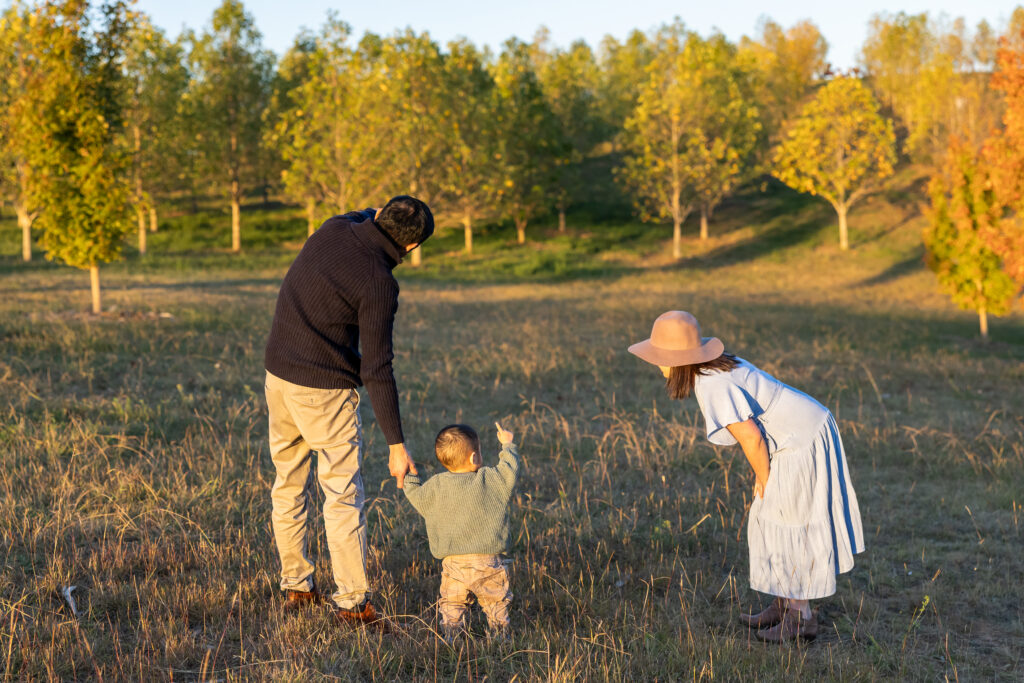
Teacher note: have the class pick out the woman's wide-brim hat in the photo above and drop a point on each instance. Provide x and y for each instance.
(675, 340)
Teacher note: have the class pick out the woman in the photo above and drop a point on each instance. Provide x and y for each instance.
(804, 526)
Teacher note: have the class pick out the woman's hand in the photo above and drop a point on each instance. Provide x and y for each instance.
(759, 485)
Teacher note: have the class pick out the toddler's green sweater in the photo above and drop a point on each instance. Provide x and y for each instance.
(467, 513)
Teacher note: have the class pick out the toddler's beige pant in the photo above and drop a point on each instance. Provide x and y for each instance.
(486, 577)
(303, 419)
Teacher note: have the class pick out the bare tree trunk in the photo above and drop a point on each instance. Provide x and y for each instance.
(983, 323)
(94, 285)
(152, 219)
(703, 222)
(467, 229)
(236, 196)
(561, 219)
(140, 209)
(25, 220)
(310, 217)
(417, 257)
(236, 218)
(521, 231)
(140, 214)
(844, 239)
(677, 238)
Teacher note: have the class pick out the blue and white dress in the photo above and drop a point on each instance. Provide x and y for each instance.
(806, 529)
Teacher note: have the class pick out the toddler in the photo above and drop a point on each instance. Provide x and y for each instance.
(466, 511)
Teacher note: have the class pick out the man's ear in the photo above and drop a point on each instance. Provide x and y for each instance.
(377, 215)
(411, 247)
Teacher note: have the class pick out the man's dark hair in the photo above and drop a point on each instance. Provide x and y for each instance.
(682, 377)
(406, 220)
(455, 444)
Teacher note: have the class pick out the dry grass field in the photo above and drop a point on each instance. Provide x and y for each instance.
(133, 461)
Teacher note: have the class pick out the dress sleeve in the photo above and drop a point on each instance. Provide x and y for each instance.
(723, 403)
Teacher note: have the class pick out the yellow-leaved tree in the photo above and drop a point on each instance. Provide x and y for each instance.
(693, 130)
(838, 148)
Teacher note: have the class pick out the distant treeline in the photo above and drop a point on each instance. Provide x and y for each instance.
(103, 118)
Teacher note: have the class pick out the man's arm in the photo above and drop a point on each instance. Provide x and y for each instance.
(376, 324)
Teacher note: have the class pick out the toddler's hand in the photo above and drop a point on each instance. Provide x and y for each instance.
(504, 436)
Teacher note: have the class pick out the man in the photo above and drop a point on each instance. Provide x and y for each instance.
(338, 295)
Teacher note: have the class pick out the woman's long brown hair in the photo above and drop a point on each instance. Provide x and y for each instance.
(682, 377)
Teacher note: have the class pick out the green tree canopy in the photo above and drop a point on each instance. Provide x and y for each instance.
(231, 81)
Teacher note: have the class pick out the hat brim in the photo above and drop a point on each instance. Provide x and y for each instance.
(710, 349)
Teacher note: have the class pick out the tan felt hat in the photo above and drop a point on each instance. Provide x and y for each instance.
(675, 340)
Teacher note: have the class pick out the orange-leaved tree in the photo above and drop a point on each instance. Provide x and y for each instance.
(1004, 159)
(839, 148)
(963, 206)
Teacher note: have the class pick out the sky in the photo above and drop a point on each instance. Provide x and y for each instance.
(844, 24)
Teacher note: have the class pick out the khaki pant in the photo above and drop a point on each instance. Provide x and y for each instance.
(486, 577)
(303, 419)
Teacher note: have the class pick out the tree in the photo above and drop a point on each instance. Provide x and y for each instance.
(79, 165)
(838, 148)
(693, 129)
(570, 80)
(22, 80)
(230, 89)
(526, 141)
(967, 269)
(413, 89)
(623, 69)
(157, 80)
(468, 171)
(332, 124)
(1003, 159)
(788, 63)
(894, 53)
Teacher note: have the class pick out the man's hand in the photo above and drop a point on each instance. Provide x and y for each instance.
(400, 464)
(504, 436)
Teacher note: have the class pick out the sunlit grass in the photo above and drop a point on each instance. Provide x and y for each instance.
(133, 460)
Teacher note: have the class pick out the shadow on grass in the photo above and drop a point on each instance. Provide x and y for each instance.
(911, 264)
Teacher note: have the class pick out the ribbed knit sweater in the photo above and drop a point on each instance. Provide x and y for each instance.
(338, 294)
(467, 513)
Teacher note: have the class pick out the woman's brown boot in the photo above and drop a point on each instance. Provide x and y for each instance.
(769, 616)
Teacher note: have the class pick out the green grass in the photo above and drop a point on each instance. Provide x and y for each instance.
(133, 457)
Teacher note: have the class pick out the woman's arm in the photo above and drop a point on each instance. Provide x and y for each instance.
(748, 434)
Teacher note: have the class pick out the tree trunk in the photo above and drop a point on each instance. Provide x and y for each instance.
(467, 229)
(94, 285)
(310, 217)
(140, 210)
(844, 240)
(677, 238)
(417, 257)
(140, 213)
(983, 323)
(703, 222)
(236, 218)
(25, 221)
(521, 231)
(152, 219)
(561, 219)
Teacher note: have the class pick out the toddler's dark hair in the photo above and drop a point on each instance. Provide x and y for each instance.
(455, 444)
(682, 377)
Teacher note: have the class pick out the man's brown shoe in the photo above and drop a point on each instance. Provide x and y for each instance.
(791, 627)
(361, 615)
(295, 600)
(769, 616)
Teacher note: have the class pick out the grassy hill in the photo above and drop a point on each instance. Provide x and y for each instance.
(133, 457)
